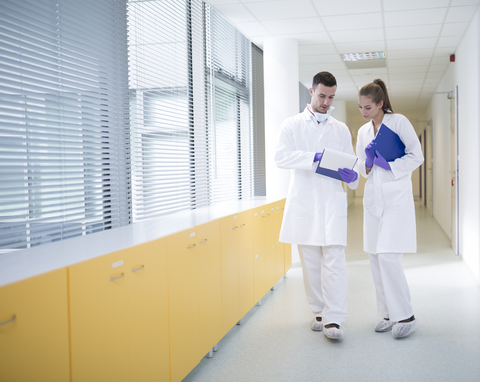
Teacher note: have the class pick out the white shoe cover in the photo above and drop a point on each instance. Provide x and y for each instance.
(316, 325)
(334, 333)
(384, 325)
(403, 329)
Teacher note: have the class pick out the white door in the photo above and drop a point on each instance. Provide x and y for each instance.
(454, 169)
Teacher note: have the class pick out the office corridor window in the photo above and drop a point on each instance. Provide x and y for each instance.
(64, 150)
(189, 82)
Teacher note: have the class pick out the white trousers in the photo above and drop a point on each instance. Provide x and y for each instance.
(391, 287)
(325, 279)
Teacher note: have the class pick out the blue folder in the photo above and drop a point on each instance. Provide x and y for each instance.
(388, 144)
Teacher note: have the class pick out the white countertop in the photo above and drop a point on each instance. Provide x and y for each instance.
(19, 265)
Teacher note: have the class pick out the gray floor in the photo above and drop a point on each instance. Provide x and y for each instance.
(274, 341)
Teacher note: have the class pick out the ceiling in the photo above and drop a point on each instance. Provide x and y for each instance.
(418, 37)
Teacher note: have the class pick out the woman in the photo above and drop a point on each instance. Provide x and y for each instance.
(389, 212)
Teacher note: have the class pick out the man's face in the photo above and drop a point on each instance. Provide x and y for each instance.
(322, 97)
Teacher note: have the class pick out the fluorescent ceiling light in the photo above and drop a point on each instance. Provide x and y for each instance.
(363, 56)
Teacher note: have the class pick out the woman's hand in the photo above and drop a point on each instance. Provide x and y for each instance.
(370, 156)
(381, 161)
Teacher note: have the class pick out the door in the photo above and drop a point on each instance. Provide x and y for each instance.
(148, 311)
(183, 298)
(259, 250)
(99, 319)
(210, 285)
(230, 272)
(454, 170)
(246, 260)
(34, 343)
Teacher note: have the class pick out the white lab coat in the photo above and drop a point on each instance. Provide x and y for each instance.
(389, 210)
(316, 206)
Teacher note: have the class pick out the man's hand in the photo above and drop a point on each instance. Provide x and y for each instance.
(347, 175)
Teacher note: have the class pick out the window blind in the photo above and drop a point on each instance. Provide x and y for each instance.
(258, 116)
(64, 142)
(190, 107)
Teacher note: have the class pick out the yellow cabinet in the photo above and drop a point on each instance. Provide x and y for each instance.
(183, 282)
(271, 243)
(245, 260)
(34, 329)
(230, 273)
(279, 247)
(210, 285)
(148, 312)
(259, 251)
(99, 319)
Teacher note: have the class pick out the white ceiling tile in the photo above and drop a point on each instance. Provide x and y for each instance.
(335, 68)
(307, 25)
(378, 72)
(443, 52)
(353, 22)
(320, 58)
(314, 49)
(420, 43)
(454, 29)
(408, 69)
(408, 62)
(235, 12)
(449, 42)
(307, 38)
(252, 28)
(343, 8)
(419, 17)
(464, 2)
(413, 53)
(437, 68)
(418, 76)
(458, 14)
(281, 9)
(218, 2)
(357, 35)
(440, 61)
(358, 47)
(395, 5)
(413, 31)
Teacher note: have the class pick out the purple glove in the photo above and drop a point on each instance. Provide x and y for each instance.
(381, 161)
(347, 175)
(317, 157)
(370, 156)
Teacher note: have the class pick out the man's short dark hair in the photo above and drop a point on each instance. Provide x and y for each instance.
(324, 78)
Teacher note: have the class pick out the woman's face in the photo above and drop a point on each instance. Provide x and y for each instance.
(368, 108)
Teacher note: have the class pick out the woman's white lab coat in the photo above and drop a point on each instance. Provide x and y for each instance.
(316, 206)
(389, 210)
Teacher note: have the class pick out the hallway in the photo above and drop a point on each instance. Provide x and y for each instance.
(274, 342)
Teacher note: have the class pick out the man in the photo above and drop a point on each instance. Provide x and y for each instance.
(315, 216)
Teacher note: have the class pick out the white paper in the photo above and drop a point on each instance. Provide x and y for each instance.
(333, 160)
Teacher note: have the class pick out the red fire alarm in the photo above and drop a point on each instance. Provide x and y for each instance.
(452, 58)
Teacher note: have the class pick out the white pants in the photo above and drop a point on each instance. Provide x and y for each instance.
(393, 295)
(325, 279)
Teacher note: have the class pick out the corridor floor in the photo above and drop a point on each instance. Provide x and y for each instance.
(274, 341)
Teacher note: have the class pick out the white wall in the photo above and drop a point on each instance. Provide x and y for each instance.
(439, 110)
(464, 73)
(466, 76)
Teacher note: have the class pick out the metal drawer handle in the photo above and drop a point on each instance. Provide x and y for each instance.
(235, 227)
(243, 225)
(192, 246)
(117, 277)
(263, 217)
(137, 269)
(8, 321)
(203, 241)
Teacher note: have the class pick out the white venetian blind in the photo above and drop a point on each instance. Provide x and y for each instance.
(64, 143)
(189, 107)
